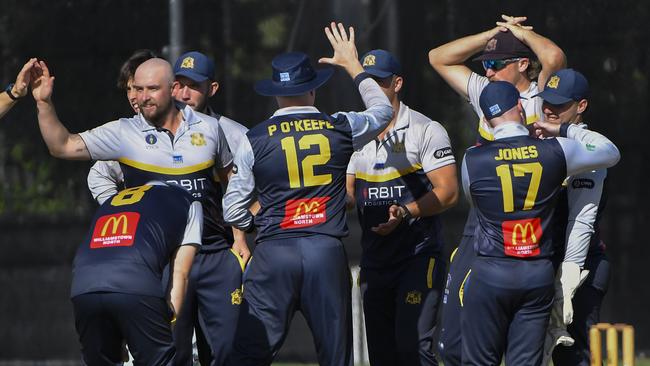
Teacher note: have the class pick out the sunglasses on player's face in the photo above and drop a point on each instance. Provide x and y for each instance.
(497, 65)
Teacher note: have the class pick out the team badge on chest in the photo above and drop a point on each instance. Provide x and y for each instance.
(197, 139)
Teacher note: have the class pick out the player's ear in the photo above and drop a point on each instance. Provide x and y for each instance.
(398, 82)
(582, 106)
(523, 64)
(214, 86)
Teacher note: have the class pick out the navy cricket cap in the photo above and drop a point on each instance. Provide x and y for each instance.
(497, 98)
(381, 63)
(292, 75)
(564, 86)
(195, 66)
(504, 46)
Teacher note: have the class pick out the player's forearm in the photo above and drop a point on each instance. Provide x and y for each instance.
(578, 239)
(458, 51)
(368, 124)
(60, 142)
(5, 103)
(600, 151)
(433, 202)
(181, 266)
(548, 53)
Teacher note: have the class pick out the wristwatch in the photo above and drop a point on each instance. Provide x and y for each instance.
(8, 90)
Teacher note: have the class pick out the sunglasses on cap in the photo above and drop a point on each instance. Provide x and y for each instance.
(497, 65)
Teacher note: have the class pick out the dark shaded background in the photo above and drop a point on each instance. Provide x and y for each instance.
(45, 206)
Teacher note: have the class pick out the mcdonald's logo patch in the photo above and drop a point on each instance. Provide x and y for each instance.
(521, 237)
(116, 230)
(304, 212)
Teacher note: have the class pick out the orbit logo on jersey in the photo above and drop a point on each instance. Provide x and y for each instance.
(553, 82)
(382, 196)
(521, 237)
(188, 63)
(115, 230)
(304, 212)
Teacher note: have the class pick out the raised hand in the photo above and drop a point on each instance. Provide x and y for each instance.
(42, 82)
(513, 24)
(345, 51)
(22, 80)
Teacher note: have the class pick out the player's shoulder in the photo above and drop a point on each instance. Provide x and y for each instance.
(232, 125)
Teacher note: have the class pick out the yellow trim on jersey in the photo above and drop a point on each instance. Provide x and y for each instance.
(378, 178)
(461, 290)
(239, 259)
(432, 265)
(490, 137)
(532, 119)
(485, 134)
(167, 170)
(453, 254)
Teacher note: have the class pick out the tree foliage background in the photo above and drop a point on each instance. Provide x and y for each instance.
(85, 41)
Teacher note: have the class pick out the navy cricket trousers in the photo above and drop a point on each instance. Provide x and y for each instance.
(105, 319)
(450, 339)
(400, 306)
(308, 274)
(506, 309)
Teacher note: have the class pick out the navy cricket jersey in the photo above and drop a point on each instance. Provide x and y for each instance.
(393, 171)
(514, 184)
(132, 238)
(187, 159)
(300, 164)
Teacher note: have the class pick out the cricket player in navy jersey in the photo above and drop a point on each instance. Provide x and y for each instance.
(509, 292)
(295, 162)
(117, 271)
(401, 181)
(215, 279)
(510, 52)
(566, 98)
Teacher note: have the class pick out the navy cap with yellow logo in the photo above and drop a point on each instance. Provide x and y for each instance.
(381, 63)
(564, 86)
(195, 66)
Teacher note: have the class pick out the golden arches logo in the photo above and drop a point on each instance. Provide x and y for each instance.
(188, 63)
(115, 221)
(523, 230)
(305, 208)
(553, 82)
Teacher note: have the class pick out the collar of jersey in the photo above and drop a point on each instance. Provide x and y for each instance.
(295, 110)
(509, 129)
(189, 116)
(403, 121)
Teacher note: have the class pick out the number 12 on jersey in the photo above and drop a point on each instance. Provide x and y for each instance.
(519, 170)
(321, 158)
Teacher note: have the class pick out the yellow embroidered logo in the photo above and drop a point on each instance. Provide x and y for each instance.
(188, 63)
(369, 60)
(414, 297)
(198, 139)
(553, 82)
(236, 297)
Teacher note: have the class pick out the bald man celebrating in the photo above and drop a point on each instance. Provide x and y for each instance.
(165, 142)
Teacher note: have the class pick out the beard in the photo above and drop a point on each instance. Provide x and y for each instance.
(157, 114)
